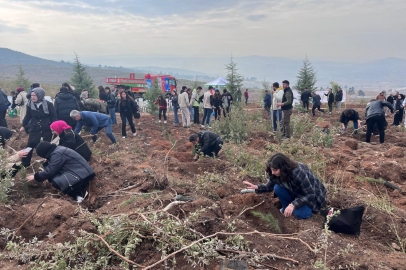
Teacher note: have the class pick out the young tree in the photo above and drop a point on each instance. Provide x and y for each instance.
(21, 80)
(306, 78)
(334, 86)
(81, 79)
(234, 79)
(151, 96)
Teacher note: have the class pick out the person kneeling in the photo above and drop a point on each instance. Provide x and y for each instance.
(297, 187)
(65, 169)
(209, 143)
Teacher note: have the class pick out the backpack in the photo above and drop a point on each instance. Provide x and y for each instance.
(348, 221)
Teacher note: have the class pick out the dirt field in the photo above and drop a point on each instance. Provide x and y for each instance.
(158, 164)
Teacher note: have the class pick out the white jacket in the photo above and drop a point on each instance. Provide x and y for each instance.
(184, 100)
(277, 97)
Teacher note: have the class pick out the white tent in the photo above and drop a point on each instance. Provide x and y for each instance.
(219, 82)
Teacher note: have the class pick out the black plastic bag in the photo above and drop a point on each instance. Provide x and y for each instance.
(348, 221)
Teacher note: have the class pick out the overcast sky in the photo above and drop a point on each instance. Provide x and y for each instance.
(345, 30)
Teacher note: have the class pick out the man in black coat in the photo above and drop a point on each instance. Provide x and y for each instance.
(305, 98)
(209, 143)
(65, 102)
(330, 100)
(339, 99)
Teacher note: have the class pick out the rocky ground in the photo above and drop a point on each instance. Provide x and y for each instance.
(146, 172)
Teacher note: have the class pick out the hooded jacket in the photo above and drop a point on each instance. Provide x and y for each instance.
(277, 98)
(375, 108)
(65, 102)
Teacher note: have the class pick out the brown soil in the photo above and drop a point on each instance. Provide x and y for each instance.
(140, 159)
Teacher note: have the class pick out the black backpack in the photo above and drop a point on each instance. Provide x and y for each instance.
(348, 221)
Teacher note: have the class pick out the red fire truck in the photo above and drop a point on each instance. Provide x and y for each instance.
(139, 86)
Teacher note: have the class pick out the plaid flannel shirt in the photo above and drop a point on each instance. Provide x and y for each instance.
(304, 187)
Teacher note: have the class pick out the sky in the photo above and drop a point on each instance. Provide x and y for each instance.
(338, 30)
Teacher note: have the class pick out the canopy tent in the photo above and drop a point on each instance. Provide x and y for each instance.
(219, 82)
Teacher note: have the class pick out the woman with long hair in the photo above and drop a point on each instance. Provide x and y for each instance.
(127, 107)
(218, 104)
(102, 94)
(163, 105)
(72, 90)
(399, 110)
(297, 187)
(175, 106)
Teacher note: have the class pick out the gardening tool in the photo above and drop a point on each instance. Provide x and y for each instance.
(380, 181)
(245, 191)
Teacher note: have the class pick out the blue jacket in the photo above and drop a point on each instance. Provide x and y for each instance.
(94, 120)
(268, 100)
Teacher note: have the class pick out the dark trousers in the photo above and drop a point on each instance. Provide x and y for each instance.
(213, 150)
(226, 111)
(80, 188)
(397, 119)
(196, 119)
(314, 108)
(33, 140)
(246, 101)
(162, 111)
(268, 108)
(11, 172)
(330, 106)
(129, 117)
(380, 121)
(3, 122)
(305, 104)
(217, 113)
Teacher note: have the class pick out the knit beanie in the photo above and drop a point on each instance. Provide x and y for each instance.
(44, 149)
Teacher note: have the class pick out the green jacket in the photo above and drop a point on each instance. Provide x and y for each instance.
(194, 101)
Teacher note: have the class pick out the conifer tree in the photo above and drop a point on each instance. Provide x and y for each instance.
(81, 79)
(306, 78)
(151, 95)
(234, 78)
(21, 80)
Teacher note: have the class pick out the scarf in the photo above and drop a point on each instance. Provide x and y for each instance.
(59, 126)
(40, 93)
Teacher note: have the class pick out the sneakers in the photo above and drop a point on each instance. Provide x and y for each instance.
(165, 122)
(123, 137)
(329, 113)
(159, 121)
(135, 134)
(202, 126)
(80, 199)
(210, 127)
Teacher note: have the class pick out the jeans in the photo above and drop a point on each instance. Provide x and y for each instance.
(217, 113)
(192, 112)
(112, 112)
(175, 113)
(246, 101)
(380, 121)
(275, 118)
(207, 115)
(129, 117)
(285, 198)
(286, 122)
(109, 132)
(162, 111)
(316, 107)
(355, 124)
(196, 119)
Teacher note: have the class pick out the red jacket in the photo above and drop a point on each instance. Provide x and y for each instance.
(246, 94)
(161, 106)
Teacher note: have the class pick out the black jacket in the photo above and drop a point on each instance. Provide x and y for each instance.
(217, 102)
(5, 134)
(229, 97)
(330, 97)
(398, 104)
(207, 139)
(375, 108)
(103, 96)
(65, 169)
(111, 101)
(287, 92)
(70, 139)
(354, 117)
(65, 102)
(133, 106)
(40, 121)
(316, 100)
(390, 99)
(305, 95)
(175, 102)
(339, 95)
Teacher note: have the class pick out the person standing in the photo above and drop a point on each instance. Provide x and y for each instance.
(339, 99)
(330, 100)
(227, 101)
(277, 96)
(246, 95)
(194, 103)
(304, 97)
(238, 95)
(218, 104)
(96, 122)
(374, 114)
(70, 139)
(102, 94)
(299, 190)
(207, 99)
(127, 107)
(316, 103)
(267, 101)
(40, 115)
(162, 107)
(65, 102)
(21, 101)
(4, 104)
(189, 92)
(390, 98)
(350, 115)
(72, 90)
(287, 108)
(111, 104)
(184, 108)
(381, 96)
(397, 119)
(175, 106)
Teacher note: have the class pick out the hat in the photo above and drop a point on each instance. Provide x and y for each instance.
(45, 149)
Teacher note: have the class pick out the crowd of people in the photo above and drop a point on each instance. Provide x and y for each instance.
(66, 165)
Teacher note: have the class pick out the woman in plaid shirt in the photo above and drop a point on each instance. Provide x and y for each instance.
(297, 187)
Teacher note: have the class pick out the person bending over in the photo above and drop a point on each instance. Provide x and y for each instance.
(350, 115)
(65, 169)
(13, 162)
(297, 187)
(96, 121)
(209, 143)
(374, 114)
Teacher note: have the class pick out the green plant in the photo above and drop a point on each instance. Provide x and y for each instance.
(306, 78)
(319, 137)
(299, 125)
(6, 182)
(81, 79)
(208, 183)
(234, 78)
(269, 219)
(151, 96)
(21, 80)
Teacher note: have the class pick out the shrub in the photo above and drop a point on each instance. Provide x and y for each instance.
(269, 219)
(151, 96)
(7, 182)
(300, 125)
